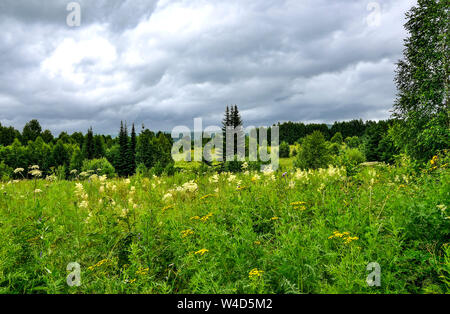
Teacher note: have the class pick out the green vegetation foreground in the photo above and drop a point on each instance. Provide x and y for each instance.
(297, 232)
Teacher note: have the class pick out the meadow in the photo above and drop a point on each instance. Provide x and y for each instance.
(289, 231)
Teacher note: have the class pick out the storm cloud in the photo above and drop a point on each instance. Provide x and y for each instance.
(163, 63)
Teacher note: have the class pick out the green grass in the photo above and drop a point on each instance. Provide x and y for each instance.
(151, 242)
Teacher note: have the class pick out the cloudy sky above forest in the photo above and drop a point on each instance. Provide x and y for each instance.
(163, 63)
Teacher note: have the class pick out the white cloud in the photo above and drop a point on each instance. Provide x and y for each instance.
(165, 62)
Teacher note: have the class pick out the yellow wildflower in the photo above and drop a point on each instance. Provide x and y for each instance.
(186, 233)
(255, 273)
(201, 252)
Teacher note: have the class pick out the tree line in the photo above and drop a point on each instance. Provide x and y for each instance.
(67, 155)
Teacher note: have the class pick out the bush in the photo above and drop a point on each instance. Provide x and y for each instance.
(142, 171)
(158, 169)
(353, 142)
(233, 166)
(284, 150)
(313, 152)
(337, 138)
(335, 148)
(99, 166)
(170, 169)
(5, 172)
(350, 159)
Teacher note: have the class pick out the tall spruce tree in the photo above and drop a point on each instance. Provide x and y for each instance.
(221, 151)
(132, 153)
(236, 122)
(124, 149)
(89, 146)
(422, 82)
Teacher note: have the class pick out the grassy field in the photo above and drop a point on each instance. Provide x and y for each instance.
(294, 232)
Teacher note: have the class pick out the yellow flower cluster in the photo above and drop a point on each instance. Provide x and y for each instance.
(142, 271)
(299, 205)
(103, 261)
(255, 273)
(255, 178)
(201, 252)
(207, 196)
(186, 233)
(167, 208)
(344, 235)
(274, 218)
(206, 217)
(434, 160)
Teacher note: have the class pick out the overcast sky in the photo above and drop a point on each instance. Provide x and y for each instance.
(163, 63)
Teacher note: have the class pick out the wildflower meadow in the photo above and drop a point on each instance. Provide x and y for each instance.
(290, 231)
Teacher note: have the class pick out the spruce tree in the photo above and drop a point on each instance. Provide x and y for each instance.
(99, 147)
(88, 147)
(123, 163)
(221, 151)
(236, 122)
(132, 151)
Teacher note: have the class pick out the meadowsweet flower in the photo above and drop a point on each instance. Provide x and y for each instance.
(231, 178)
(214, 178)
(37, 191)
(84, 204)
(35, 173)
(18, 170)
(321, 188)
(167, 196)
(51, 178)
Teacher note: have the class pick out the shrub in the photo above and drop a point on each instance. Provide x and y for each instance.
(5, 172)
(313, 152)
(350, 159)
(337, 138)
(335, 148)
(352, 142)
(284, 150)
(99, 166)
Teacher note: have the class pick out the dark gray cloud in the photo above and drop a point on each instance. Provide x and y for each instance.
(162, 63)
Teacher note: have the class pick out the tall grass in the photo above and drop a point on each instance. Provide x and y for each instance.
(229, 233)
